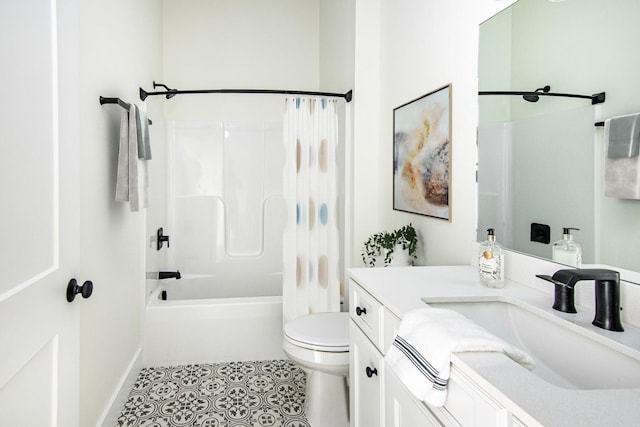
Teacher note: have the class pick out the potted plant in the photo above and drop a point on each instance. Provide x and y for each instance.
(384, 247)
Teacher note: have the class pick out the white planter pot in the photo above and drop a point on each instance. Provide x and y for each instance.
(399, 258)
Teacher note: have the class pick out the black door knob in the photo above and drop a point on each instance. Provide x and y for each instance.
(361, 311)
(371, 372)
(73, 289)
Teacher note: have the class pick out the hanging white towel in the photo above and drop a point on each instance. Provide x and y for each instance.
(421, 352)
(132, 180)
(622, 162)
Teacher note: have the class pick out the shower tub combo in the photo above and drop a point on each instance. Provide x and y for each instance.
(226, 213)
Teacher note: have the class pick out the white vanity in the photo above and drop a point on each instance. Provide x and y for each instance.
(599, 384)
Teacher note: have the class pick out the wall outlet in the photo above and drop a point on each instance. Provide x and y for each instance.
(540, 233)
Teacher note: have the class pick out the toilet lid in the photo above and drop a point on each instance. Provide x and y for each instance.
(321, 329)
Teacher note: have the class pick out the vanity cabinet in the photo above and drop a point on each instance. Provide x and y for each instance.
(366, 373)
(377, 396)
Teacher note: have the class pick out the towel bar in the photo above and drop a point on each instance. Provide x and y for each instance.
(120, 102)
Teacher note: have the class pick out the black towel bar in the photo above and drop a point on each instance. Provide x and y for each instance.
(120, 102)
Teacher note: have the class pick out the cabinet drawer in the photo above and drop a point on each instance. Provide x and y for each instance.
(367, 313)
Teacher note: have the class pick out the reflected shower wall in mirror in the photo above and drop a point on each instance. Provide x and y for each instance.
(543, 162)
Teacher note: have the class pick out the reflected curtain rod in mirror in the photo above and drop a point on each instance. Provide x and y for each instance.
(596, 98)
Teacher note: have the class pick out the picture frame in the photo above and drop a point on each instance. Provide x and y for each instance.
(422, 155)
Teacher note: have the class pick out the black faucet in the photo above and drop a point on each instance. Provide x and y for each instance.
(607, 283)
(169, 274)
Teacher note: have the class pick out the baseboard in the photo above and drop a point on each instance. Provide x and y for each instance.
(119, 397)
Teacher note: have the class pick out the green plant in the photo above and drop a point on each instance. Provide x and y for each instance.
(383, 243)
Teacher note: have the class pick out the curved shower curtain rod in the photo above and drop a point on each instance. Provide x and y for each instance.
(170, 93)
(597, 98)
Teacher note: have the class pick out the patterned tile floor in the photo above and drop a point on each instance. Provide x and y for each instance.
(266, 393)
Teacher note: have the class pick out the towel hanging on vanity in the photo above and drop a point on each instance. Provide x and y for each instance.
(132, 182)
(421, 352)
(622, 162)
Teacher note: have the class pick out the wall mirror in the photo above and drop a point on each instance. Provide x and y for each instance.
(543, 162)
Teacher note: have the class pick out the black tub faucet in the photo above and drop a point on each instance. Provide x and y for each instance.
(607, 288)
(169, 274)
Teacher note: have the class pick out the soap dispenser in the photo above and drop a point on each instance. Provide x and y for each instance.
(491, 262)
(566, 250)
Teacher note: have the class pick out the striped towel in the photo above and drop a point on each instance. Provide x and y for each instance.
(421, 352)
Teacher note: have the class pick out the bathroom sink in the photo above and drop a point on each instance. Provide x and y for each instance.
(567, 355)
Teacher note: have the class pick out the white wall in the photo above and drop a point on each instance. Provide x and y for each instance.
(243, 44)
(423, 45)
(337, 59)
(364, 179)
(119, 50)
(336, 45)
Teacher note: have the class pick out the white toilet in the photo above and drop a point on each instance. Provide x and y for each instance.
(319, 343)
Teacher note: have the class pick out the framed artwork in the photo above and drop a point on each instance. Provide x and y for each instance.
(422, 155)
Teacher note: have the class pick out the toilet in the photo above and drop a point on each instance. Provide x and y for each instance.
(319, 344)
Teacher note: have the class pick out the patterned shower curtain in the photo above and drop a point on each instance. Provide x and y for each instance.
(311, 248)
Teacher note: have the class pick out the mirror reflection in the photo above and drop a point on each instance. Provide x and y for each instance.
(542, 164)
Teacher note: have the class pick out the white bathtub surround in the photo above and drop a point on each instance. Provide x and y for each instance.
(225, 214)
(311, 241)
(225, 207)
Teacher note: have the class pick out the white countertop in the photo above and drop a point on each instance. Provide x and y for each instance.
(401, 289)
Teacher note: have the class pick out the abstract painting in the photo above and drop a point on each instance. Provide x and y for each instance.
(422, 155)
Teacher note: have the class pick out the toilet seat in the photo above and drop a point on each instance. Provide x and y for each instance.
(327, 332)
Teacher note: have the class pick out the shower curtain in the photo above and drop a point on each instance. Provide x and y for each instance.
(311, 235)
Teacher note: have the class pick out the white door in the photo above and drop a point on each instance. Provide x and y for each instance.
(38, 213)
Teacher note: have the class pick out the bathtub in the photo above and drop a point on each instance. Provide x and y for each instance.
(201, 323)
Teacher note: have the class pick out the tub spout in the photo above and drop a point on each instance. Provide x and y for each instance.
(169, 274)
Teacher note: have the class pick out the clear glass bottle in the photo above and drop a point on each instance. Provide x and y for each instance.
(566, 250)
(491, 262)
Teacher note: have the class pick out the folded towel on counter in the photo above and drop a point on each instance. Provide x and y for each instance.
(132, 181)
(421, 352)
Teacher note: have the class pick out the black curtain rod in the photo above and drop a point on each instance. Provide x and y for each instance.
(597, 98)
(170, 93)
(120, 102)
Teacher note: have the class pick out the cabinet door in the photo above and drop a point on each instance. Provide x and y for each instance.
(366, 380)
(401, 408)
